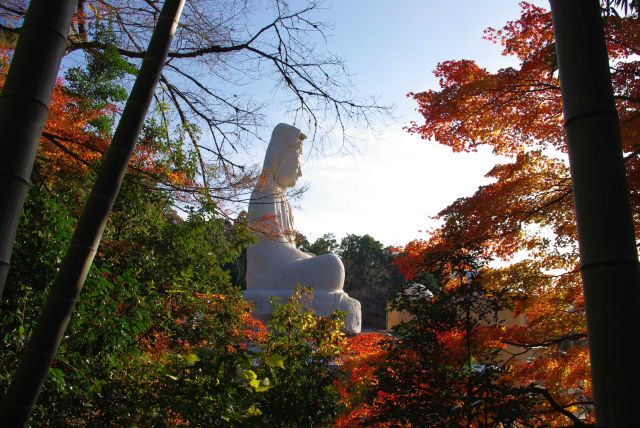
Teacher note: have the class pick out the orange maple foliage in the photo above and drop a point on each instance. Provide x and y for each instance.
(70, 145)
(159, 345)
(66, 143)
(524, 218)
(517, 109)
(360, 358)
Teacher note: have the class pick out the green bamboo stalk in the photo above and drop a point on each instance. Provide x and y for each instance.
(24, 108)
(608, 254)
(23, 392)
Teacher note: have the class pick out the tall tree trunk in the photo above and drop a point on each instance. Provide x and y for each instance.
(39, 353)
(608, 254)
(24, 109)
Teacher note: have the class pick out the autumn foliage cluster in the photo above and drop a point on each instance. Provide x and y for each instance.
(162, 337)
(517, 233)
(503, 340)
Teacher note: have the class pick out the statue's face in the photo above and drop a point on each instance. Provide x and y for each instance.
(289, 165)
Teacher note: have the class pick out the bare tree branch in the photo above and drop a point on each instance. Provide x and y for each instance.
(547, 342)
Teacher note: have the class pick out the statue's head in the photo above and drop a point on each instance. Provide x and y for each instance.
(282, 160)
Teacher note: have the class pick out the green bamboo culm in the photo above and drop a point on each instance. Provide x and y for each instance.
(608, 254)
(24, 108)
(25, 387)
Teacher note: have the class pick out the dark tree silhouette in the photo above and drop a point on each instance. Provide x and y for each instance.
(370, 276)
(608, 254)
(23, 392)
(24, 109)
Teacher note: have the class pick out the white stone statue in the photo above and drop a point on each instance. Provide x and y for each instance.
(274, 265)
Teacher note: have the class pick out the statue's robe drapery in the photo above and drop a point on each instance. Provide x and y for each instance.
(274, 265)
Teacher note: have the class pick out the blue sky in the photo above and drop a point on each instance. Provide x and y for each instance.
(394, 182)
(391, 183)
(392, 46)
